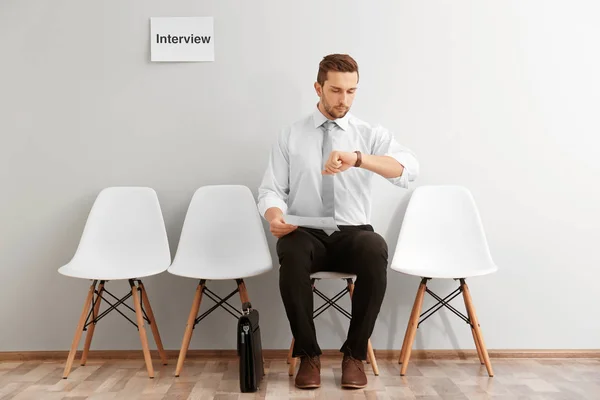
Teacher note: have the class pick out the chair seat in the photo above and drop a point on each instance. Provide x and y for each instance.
(332, 275)
(447, 273)
(113, 271)
(223, 272)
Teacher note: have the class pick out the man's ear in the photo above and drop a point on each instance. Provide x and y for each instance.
(318, 89)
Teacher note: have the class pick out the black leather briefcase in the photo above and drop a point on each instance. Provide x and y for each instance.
(250, 350)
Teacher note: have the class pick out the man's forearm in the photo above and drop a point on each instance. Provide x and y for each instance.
(385, 166)
(272, 213)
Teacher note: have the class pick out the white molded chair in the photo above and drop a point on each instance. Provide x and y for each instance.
(442, 237)
(222, 238)
(332, 302)
(124, 238)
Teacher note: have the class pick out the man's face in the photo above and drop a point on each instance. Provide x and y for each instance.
(337, 92)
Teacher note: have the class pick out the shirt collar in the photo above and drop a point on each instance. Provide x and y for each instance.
(319, 118)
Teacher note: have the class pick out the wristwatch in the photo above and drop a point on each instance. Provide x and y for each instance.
(358, 159)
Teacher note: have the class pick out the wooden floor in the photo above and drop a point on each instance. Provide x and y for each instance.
(218, 379)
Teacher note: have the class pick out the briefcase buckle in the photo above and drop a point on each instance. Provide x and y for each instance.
(246, 308)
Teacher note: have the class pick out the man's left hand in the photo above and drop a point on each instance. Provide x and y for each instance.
(339, 161)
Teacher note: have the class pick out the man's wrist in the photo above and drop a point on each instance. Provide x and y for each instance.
(273, 213)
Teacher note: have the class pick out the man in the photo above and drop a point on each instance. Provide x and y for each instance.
(321, 166)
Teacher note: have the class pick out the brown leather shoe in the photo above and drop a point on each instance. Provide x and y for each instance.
(353, 373)
(309, 373)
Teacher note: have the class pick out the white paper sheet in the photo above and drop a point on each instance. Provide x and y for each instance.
(326, 223)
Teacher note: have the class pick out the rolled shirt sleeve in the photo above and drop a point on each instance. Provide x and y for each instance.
(384, 144)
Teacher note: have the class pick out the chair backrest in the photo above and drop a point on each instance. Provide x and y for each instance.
(124, 229)
(222, 236)
(442, 229)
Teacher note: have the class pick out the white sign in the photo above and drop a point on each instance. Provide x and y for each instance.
(182, 39)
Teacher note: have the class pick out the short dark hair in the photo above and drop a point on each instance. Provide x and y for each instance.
(336, 62)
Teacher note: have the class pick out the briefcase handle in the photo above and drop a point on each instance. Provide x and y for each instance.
(246, 308)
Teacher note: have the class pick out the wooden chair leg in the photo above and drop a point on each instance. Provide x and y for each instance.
(477, 347)
(289, 357)
(243, 292)
(371, 357)
(79, 330)
(406, 334)
(92, 327)
(405, 341)
(291, 360)
(350, 285)
(141, 328)
(153, 325)
(413, 323)
(370, 353)
(475, 326)
(187, 337)
(292, 367)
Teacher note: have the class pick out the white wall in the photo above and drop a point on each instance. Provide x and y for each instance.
(499, 96)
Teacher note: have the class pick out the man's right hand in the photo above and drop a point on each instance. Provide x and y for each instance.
(279, 228)
(277, 224)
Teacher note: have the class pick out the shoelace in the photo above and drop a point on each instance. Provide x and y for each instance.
(312, 361)
(356, 362)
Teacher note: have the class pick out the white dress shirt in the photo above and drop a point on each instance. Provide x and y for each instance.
(292, 180)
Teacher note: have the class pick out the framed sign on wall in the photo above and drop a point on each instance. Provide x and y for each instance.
(182, 39)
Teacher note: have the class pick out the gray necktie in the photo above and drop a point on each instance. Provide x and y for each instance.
(327, 189)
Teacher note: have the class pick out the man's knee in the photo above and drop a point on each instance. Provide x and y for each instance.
(293, 247)
(295, 252)
(371, 252)
(371, 247)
